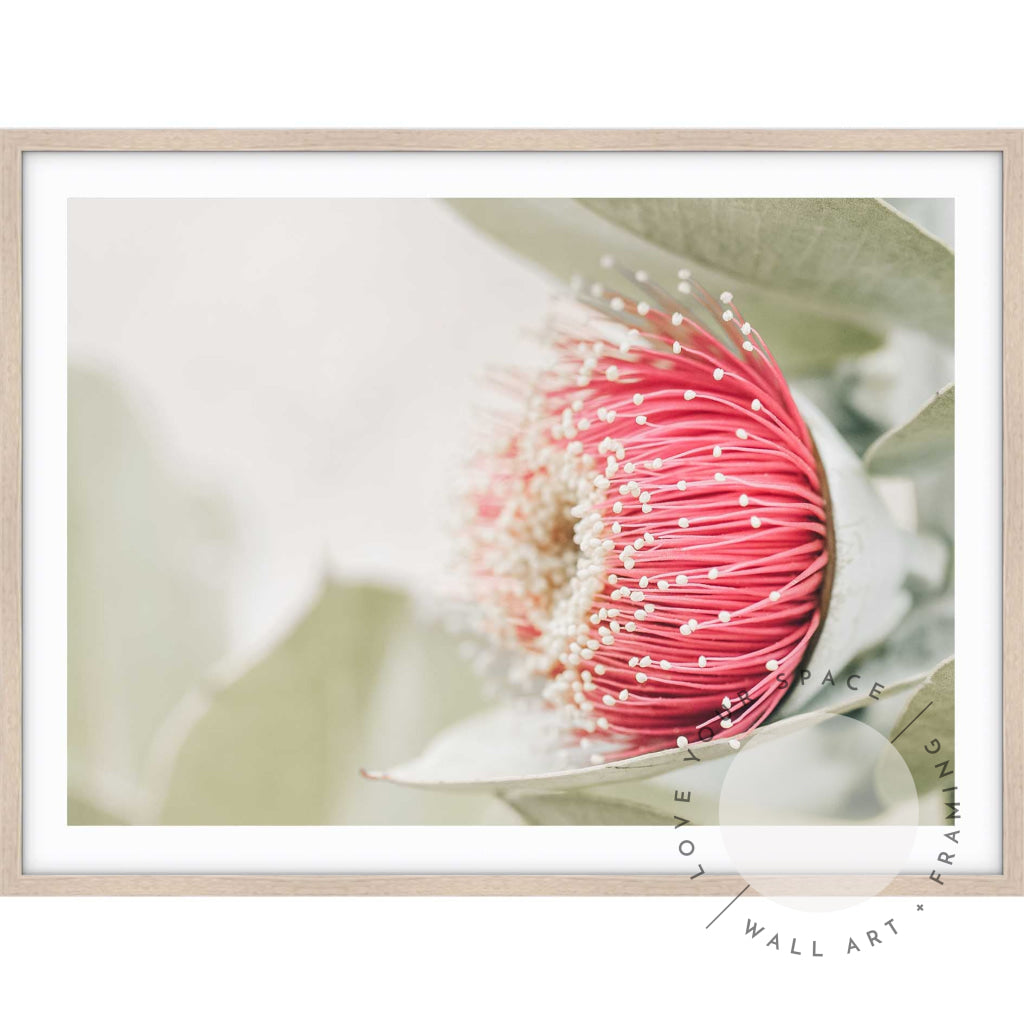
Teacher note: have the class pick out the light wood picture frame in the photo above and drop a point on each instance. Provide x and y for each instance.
(15, 145)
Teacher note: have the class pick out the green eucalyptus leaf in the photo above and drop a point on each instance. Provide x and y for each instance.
(282, 744)
(924, 732)
(857, 259)
(925, 438)
(566, 239)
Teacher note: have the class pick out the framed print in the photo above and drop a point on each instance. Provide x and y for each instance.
(527, 512)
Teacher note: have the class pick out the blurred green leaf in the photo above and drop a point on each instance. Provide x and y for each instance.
(857, 259)
(936, 216)
(911, 651)
(924, 438)
(283, 744)
(577, 809)
(146, 615)
(82, 812)
(929, 717)
(566, 238)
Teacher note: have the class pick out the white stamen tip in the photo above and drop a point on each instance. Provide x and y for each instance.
(724, 616)
(772, 666)
(684, 523)
(744, 500)
(719, 373)
(607, 262)
(726, 297)
(755, 522)
(727, 315)
(702, 661)
(756, 405)
(681, 742)
(682, 580)
(774, 595)
(734, 743)
(677, 319)
(689, 395)
(641, 276)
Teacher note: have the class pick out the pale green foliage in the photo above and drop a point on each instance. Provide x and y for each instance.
(361, 677)
(929, 717)
(857, 259)
(925, 437)
(816, 276)
(565, 238)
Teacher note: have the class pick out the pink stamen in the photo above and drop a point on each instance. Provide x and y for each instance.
(654, 534)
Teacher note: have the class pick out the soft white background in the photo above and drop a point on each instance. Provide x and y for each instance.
(749, 64)
(400, 307)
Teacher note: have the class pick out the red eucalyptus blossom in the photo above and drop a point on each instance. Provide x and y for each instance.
(653, 534)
